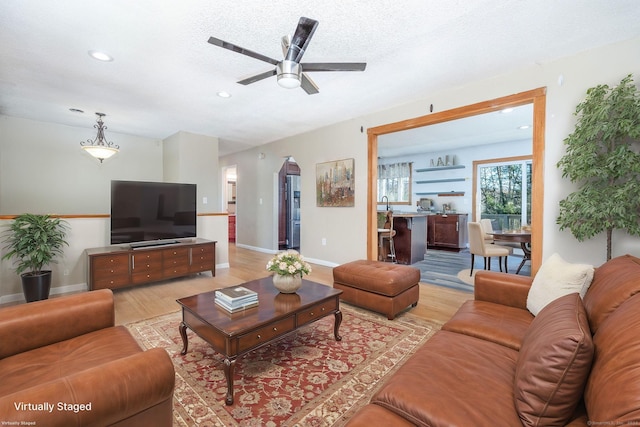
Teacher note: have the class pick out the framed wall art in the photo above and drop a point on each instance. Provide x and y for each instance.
(335, 183)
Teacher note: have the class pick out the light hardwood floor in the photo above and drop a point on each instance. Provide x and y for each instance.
(142, 302)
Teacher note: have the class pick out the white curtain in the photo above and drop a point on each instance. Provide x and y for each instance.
(394, 182)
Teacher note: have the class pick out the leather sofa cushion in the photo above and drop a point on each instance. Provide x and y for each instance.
(612, 395)
(554, 363)
(453, 379)
(375, 415)
(492, 322)
(613, 283)
(65, 358)
(379, 277)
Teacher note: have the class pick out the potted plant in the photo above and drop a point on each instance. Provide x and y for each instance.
(603, 158)
(35, 241)
(288, 268)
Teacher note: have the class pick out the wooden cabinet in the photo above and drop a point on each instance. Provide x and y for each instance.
(202, 258)
(146, 266)
(119, 266)
(232, 228)
(447, 231)
(111, 271)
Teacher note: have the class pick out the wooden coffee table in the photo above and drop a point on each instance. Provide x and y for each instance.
(234, 335)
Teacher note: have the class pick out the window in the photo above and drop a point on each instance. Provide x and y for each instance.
(394, 182)
(504, 188)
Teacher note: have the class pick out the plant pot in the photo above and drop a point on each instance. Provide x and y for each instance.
(36, 286)
(287, 284)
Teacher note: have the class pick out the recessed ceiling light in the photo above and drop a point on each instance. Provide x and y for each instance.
(76, 110)
(506, 110)
(223, 94)
(100, 56)
(524, 127)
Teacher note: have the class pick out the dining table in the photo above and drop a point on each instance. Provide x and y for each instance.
(516, 236)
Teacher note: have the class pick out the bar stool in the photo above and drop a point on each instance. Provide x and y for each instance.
(386, 232)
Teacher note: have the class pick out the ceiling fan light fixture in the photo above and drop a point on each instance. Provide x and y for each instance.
(289, 74)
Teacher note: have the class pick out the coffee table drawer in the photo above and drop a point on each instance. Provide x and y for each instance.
(317, 311)
(267, 333)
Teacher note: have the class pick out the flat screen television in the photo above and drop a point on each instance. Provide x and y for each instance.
(152, 213)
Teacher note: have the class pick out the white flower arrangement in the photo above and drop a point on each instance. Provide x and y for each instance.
(289, 263)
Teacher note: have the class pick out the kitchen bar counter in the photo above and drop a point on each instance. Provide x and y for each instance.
(411, 237)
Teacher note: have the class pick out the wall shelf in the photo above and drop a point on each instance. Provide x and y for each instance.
(442, 194)
(440, 168)
(432, 181)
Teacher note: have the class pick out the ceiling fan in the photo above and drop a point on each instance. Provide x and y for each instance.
(290, 71)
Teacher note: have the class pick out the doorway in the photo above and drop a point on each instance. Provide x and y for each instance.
(536, 97)
(229, 197)
(289, 205)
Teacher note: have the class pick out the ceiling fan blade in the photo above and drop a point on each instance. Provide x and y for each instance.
(285, 43)
(230, 46)
(301, 38)
(334, 66)
(308, 85)
(258, 77)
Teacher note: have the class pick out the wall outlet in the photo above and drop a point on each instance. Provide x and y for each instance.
(66, 272)
(205, 200)
(324, 241)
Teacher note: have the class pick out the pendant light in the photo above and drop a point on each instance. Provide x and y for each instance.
(100, 148)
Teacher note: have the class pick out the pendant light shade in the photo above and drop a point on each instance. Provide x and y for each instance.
(100, 148)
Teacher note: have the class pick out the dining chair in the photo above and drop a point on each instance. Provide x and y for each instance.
(487, 228)
(478, 246)
(386, 232)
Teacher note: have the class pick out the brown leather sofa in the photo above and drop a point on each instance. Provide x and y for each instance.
(64, 363)
(576, 363)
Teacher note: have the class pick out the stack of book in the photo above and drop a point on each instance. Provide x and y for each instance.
(236, 298)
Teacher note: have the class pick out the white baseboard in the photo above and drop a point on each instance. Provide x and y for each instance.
(80, 287)
(257, 249)
(321, 262)
(223, 265)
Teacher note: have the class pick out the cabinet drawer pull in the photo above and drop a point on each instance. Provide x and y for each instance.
(275, 329)
(259, 336)
(311, 314)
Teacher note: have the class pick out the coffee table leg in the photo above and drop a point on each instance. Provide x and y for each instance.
(229, 368)
(183, 334)
(336, 325)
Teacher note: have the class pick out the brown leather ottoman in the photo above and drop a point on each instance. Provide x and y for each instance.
(378, 286)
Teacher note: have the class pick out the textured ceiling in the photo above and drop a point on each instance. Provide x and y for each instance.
(165, 76)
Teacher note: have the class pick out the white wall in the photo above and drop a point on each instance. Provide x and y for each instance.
(44, 170)
(345, 228)
(463, 157)
(70, 273)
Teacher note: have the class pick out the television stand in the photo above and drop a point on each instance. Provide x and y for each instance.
(116, 267)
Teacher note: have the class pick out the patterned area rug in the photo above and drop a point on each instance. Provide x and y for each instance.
(305, 379)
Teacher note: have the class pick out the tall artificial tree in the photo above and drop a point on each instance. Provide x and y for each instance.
(603, 158)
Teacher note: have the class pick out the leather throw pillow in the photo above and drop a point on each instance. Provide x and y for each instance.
(554, 363)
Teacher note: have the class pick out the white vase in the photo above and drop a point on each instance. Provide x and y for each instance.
(287, 284)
